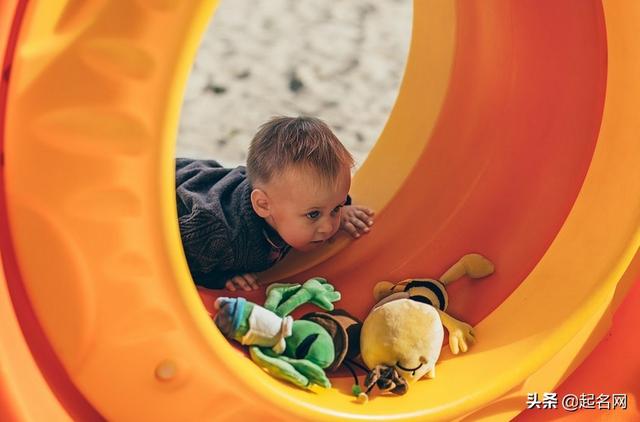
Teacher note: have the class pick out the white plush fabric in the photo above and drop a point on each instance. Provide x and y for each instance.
(267, 329)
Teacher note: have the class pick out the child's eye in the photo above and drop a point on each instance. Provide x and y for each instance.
(336, 209)
(313, 215)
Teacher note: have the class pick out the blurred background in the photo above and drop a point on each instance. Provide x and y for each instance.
(341, 61)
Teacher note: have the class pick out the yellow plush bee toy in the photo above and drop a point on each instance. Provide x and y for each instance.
(402, 336)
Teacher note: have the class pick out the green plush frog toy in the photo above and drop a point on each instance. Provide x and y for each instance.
(295, 351)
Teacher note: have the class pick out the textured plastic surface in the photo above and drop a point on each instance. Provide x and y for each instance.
(514, 135)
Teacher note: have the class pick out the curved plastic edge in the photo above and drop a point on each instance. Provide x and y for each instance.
(408, 129)
(594, 300)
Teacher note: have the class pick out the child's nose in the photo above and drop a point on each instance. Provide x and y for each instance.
(326, 226)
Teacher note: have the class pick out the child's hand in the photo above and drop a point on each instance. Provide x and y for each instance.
(356, 219)
(246, 282)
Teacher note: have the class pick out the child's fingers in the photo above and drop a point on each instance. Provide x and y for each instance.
(241, 282)
(351, 229)
(252, 280)
(360, 225)
(229, 286)
(364, 217)
(369, 211)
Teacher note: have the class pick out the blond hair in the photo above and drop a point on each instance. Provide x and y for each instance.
(283, 142)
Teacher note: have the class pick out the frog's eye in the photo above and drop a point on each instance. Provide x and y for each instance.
(303, 349)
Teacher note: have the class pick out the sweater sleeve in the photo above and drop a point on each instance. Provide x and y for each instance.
(206, 245)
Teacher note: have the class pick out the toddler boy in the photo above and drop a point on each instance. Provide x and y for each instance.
(293, 193)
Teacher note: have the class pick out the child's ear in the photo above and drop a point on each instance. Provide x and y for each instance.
(260, 203)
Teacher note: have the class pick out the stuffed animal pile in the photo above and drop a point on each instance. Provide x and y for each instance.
(399, 341)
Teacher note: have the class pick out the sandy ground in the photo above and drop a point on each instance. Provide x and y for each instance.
(341, 61)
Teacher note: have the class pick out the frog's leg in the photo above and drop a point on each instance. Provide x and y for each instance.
(285, 298)
(278, 367)
(315, 290)
(313, 372)
(278, 293)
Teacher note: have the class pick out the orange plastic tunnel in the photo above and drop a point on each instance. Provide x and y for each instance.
(514, 134)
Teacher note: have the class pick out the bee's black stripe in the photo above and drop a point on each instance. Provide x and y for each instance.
(436, 289)
(421, 299)
(303, 349)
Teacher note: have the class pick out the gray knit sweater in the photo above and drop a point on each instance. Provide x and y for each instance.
(221, 234)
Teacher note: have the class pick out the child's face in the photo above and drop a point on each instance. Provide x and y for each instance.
(303, 211)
